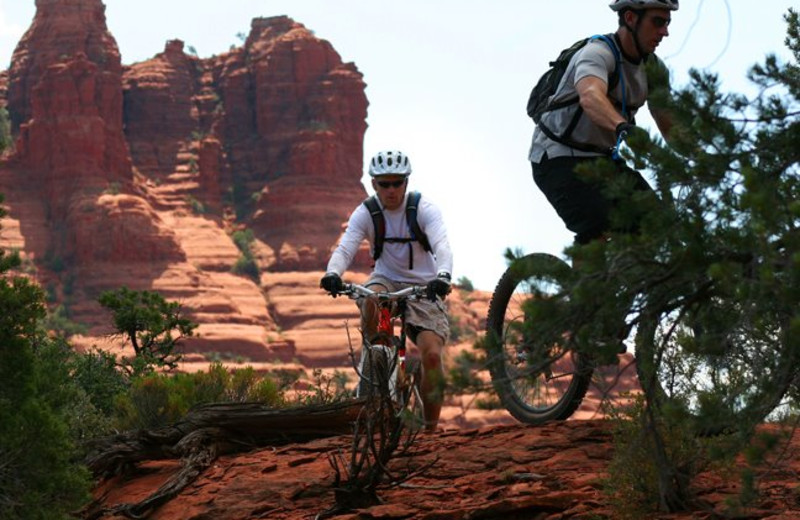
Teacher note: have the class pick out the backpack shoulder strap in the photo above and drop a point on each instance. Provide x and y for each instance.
(412, 207)
(379, 224)
(616, 76)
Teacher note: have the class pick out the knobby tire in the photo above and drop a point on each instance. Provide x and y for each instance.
(537, 380)
(721, 391)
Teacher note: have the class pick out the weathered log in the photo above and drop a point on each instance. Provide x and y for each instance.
(207, 432)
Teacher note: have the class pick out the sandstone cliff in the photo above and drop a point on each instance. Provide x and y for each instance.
(138, 175)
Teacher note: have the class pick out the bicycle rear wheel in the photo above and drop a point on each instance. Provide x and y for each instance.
(725, 363)
(537, 377)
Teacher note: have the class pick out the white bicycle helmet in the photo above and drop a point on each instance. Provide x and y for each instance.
(619, 5)
(390, 162)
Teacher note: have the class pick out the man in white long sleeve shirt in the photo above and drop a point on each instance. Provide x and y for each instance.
(403, 257)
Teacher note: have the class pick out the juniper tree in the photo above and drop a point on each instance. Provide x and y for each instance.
(152, 325)
(40, 476)
(711, 280)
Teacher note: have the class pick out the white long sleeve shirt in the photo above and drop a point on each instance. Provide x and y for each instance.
(393, 262)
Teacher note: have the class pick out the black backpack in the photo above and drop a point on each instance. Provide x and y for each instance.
(538, 101)
(415, 232)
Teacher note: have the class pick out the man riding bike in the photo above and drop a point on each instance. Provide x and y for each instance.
(599, 118)
(401, 259)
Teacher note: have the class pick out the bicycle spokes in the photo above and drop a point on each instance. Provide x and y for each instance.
(534, 368)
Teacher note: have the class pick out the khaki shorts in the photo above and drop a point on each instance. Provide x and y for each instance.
(420, 314)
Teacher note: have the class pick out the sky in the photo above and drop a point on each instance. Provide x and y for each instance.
(447, 83)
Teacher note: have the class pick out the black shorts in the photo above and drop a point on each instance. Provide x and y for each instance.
(583, 203)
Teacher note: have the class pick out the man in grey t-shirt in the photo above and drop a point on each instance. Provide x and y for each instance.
(600, 118)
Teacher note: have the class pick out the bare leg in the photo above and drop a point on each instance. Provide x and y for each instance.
(432, 387)
(369, 313)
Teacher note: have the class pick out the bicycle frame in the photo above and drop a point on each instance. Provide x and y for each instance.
(391, 308)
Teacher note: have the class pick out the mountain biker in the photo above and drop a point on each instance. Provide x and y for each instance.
(603, 117)
(401, 262)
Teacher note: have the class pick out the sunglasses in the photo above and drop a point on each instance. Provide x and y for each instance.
(660, 21)
(391, 184)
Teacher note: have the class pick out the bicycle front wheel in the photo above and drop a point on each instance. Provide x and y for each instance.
(535, 373)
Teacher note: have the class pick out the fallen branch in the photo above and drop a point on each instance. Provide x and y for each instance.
(205, 433)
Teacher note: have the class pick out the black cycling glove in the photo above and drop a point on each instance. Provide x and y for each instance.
(623, 130)
(439, 286)
(332, 283)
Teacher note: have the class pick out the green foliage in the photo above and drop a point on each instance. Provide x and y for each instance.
(315, 125)
(463, 374)
(246, 264)
(59, 321)
(239, 195)
(198, 208)
(153, 326)
(113, 188)
(157, 400)
(324, 388)
(97, 373)
(465, 284)
(635, 485)
(709, 276)
(39, 475)
(6, 139)
(53, 261)
(243, 238)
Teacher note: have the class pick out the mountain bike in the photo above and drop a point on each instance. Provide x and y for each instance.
(714, 354)
(384, 367)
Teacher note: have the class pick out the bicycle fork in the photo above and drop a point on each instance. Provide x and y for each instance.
(388, 345)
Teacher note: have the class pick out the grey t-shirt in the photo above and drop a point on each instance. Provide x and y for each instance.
(595, 59)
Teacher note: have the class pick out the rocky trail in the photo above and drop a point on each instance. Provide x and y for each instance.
(558, 471)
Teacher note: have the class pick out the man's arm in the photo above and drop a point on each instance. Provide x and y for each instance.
(659, 95)
(663, 122)
(593, 95)
(431, 220)
(357, 230)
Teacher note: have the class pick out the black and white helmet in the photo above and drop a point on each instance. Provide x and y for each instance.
(390, 162)
(619, 5)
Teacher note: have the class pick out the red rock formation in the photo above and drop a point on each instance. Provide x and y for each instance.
(210, 164)
(294, 121)
(60, 30)
(130, 167)
(160, 111)
(290, 119)
(74, 137)
(64, 97)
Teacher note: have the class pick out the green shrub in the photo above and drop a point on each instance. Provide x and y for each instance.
(59, 321)
(157, 400)
(198, 208)
(465, 284)
(153, 327)
(6, 138)
(463, 374)
(243, 238)
(636, 481)
(246, 266)
(325, 388)
(41, 414)
(96, 372)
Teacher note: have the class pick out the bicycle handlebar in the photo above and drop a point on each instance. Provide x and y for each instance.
(414, 292)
